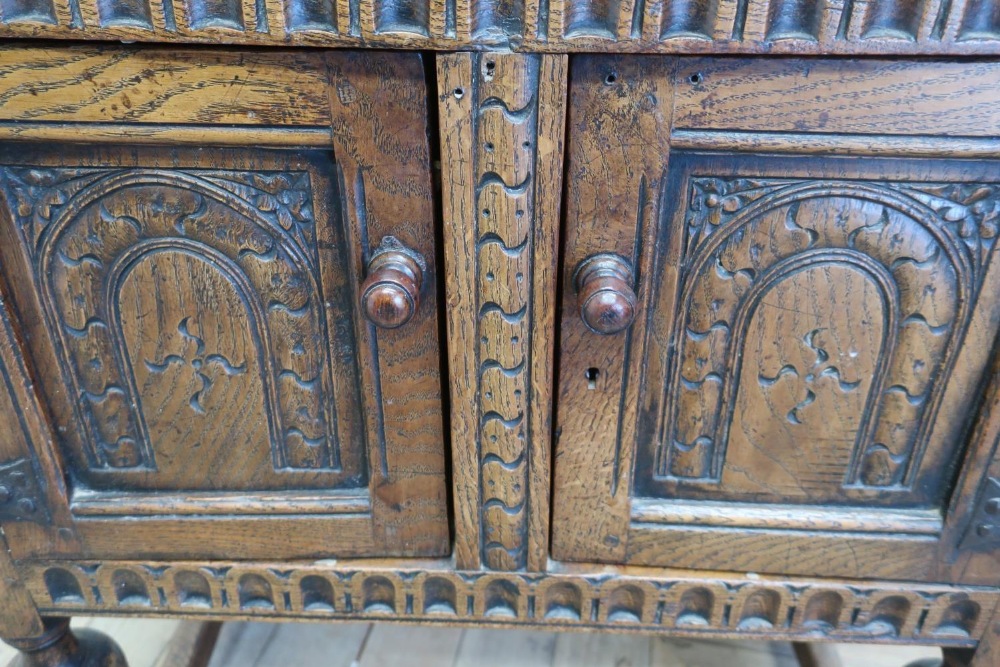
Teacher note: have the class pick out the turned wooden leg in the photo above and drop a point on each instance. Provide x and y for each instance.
(58, 646)
(961, 658)
(987, 654)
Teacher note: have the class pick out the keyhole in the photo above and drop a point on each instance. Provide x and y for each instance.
(591, 376)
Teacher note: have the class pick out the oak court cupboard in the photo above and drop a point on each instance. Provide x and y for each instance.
(665, 316)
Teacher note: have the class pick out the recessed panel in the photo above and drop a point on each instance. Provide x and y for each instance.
(190, 310)
(818, 321)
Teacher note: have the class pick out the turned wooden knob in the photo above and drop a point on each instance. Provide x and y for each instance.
(604, 285)
(390, 294)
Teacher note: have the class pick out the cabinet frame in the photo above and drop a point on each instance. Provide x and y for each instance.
(349, 106)
(634, 117)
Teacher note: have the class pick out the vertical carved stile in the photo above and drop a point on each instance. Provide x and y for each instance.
(501, 156)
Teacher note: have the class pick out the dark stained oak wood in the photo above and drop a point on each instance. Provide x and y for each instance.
(838, 97)
(163, 86)
(502, 122)
(605, 294)
(196, 320)
(58, 646)
(774, 363)
(565, 597)
(619, 120)
(379, 114)
(390, 293)
(19, 617)
(816, 331)
(966, 27)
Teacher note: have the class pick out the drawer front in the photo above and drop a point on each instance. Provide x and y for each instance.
(807, 251)
(246, 334)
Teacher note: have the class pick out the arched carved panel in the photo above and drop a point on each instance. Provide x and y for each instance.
(817, 325)
(187, 308)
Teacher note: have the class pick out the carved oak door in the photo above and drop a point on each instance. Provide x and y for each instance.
(783, 314)
(238, 346)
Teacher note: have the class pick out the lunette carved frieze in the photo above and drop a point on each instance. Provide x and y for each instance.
(929, 614)
(917, 249)
(777, 26)
(247, 240)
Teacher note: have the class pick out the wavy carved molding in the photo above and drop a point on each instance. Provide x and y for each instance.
(871, 612)
(671, 26)
(502, 120)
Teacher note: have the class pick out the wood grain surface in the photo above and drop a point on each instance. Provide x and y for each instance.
(184, 300)
(19, 617)
(878, 97)
(619, 120)
(683, 26)
(207, 419)
(618, 599)
(380, 125)
(787, 369)
(159, 85)
(502, 119)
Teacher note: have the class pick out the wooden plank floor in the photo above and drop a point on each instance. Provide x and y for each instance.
(391, 645)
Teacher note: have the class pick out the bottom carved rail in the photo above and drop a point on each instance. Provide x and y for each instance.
(627, 599)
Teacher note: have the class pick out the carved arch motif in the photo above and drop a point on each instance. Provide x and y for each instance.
(919, 250)
(90, 230)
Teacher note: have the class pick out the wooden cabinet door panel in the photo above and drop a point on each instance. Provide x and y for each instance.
(816, 312)
(821, 308)
(188, 317)
(195, 315)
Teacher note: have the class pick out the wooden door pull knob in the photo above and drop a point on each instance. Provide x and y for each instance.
(605, 292)
(390, 294)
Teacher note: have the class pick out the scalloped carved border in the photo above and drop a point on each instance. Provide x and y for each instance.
(689, 605)
(671, 26)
